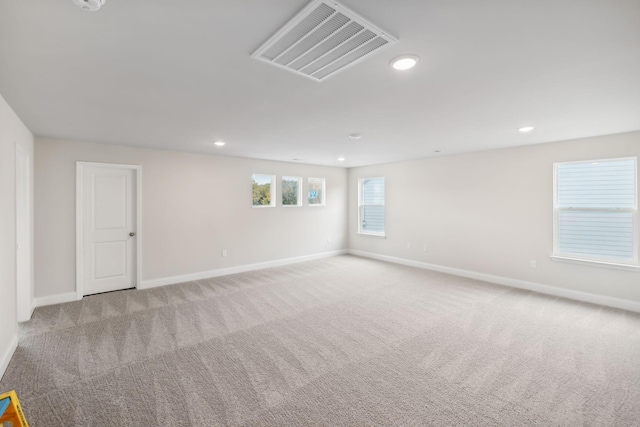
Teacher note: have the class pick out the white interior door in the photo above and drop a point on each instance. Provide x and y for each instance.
(24, 280)
(108, 228)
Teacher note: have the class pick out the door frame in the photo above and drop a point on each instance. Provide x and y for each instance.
(137, 170)
(24, 234)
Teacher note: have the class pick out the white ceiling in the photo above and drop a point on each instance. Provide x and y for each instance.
(178, 75)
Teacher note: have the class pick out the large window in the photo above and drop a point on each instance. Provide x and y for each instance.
(371, 206)
(316, 192)
(595, 211)
(264, 190)
(291, 191)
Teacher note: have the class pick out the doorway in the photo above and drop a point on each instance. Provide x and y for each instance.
(108, 227)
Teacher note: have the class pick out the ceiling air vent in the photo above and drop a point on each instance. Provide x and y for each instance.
(322, 40)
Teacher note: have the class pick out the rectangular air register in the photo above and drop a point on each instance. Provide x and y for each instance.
(322, 40)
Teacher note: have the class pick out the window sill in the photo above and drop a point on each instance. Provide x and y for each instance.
(594, 263)
(379, 236)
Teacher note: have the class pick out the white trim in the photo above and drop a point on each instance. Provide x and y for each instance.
(147, 284)
(613, 159)
(79, 233)
(137, 169)
(379, 236)
(56, 299)
(514, 283)
(595, 263)
(6, 357)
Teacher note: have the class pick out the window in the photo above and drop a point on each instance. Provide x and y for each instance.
(595, 212)
(316, 192)
(371, 206)
(291, 191)
(264, 190)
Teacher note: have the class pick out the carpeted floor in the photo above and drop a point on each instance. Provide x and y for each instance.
(340, 341)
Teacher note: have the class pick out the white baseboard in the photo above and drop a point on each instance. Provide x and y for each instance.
(56, 299)
(8, 354)
(147, 284)
(515, 283)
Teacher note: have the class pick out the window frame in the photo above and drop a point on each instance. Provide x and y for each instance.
(324, 191)
(298, 196)
(273, 191)
(361, 207)
(631, 265)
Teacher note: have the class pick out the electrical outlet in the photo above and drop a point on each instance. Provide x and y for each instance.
(328, 239)
(425, 248)
(408, 245)
(224, 252)
(533, 264)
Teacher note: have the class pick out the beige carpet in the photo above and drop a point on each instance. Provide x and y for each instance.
(341, 341)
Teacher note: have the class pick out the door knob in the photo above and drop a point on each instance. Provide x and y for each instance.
(132, 234)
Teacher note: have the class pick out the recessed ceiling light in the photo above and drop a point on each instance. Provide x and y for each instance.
(341, 159)
(526, 129)
(404, 62)
(355, 136)
(219, 143)
(89, 5)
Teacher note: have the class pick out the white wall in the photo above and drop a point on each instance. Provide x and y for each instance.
(193, 207)
(489, 212)
(12, 132)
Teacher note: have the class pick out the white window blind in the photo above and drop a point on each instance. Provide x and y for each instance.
(596, 210)
(371, 212)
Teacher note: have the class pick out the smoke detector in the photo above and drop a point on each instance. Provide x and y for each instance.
(89, 5)
(322, 40)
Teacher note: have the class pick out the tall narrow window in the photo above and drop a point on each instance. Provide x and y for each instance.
(291, 191)
(595, 211)
(264, 190)
(316, 191)
(371, 206)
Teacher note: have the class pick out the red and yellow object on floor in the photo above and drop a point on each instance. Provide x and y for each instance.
(11, 411)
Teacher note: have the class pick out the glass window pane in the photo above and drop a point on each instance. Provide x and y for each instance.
(263, 190)
(373, 191)
(607, 235)
(373, 219)
(316, 191)
(291, 191)
(595, 210)
(371, 213)
(597, 184)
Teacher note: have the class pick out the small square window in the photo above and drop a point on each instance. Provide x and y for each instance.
(291, 191)
(316, 192)
(264, 190)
